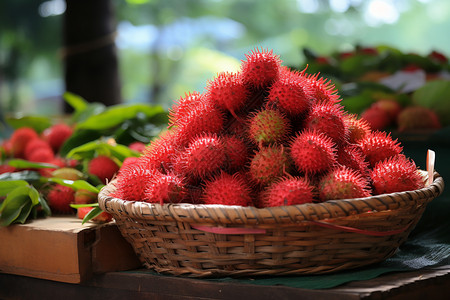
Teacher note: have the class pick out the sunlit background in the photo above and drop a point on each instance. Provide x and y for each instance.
(190, 41)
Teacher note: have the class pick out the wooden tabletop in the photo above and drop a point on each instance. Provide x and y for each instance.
(423, 284)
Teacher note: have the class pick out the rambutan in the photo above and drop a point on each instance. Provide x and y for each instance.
(6, 169)
(396, 174)
(417, 118)
(132, 180)
(227, 189)
(103, 217)
(185, 105)
(19, 140)
(227, 91)
(321, 89)
(288, 94)
(329, 119)
(103, 167)
(343, 183)
(44, 155)
(57, 134)
(391, 106)
(162, 151)
(202, 119)
(352, 157)
(379, 145)
(34, 145)
(59, 199)
(287, 190)
(165, 189)
(313, 152)
(236, 153)
(268, 164)
(260, 69)
(377, 118)
(203, 157)
(268, 126)
(357, 128)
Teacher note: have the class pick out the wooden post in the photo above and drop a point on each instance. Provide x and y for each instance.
(89, 53)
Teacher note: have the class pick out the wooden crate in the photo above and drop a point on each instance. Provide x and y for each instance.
(60, 248)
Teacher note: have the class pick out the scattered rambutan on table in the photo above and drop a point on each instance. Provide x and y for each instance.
(265, 173)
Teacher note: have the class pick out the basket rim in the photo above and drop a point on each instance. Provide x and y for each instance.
(249, 215)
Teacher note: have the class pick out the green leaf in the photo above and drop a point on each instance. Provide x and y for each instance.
(24, 213)
(79, 138)
(26, 175)
(38, 123)
(115, 115)
(92, 214)
(76, 185)
(7, 186)
(44, 205)
(88, 150)
(16, 201)
(25, 164)
(77, 102)
(435, 95)
(77, 206)
(34, 195)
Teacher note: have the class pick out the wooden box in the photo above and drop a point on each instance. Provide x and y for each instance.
(62, 249)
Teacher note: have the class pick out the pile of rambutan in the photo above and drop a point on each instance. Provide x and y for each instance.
(266, 136)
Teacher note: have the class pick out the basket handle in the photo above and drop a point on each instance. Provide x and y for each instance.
(243, 230)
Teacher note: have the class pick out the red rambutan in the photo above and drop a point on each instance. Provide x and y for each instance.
(59, 199)
(103, 167)
(287, 191)
(260, 69)
(329, 119)
(268, 164)
(227, 189)
(352, 157)
(268, 126)
(161, 152)
(358, 128)
(321, 89)
(378, 145)
(377, 118)
(185, 105)
(227, 91)
(343, 183)
(132, 180)
(396, 174)
(57, 134)
(165, 189)
(44, 155)
(35, 144)
(19, 140)
(313, 152)
(236, 153)
(417, 118)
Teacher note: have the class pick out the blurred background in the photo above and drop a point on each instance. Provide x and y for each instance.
(154, 51)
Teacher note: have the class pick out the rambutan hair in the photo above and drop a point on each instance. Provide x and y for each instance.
(379, 145)
(260, 69)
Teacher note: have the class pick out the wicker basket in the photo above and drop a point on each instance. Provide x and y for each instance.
(218, 240)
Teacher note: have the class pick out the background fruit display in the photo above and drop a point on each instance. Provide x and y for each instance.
(266, 136)
(58, 166)
(391, 89)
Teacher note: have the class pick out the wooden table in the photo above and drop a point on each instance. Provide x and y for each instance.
(423, 284)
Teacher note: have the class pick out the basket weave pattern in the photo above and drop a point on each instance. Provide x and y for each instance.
(299, 239)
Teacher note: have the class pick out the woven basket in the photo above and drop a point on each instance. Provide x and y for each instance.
(218, 240)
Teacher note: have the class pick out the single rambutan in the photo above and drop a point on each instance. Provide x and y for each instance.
(227, 189)
(357, 128)
(260, 69)
(268, 164)
(57, 134)
(288, 93)
(103, 167)
(203, 157)
(59, 199)
(202, 119)
(287, 191)
(313, 152)
(268, 126)
(44, 155)
(352, 157)
(103, 217)
(34, 145)
(379, 145)
(377, 118)
(417, 118)
(161, 152)
(321, 89)
(165, 189)
(391, 106)
(227, 91)
(236, 153)
(343, 183)
(396, 174)
(329, 119)
(181, 108)
(19, 140)
(132, 180)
